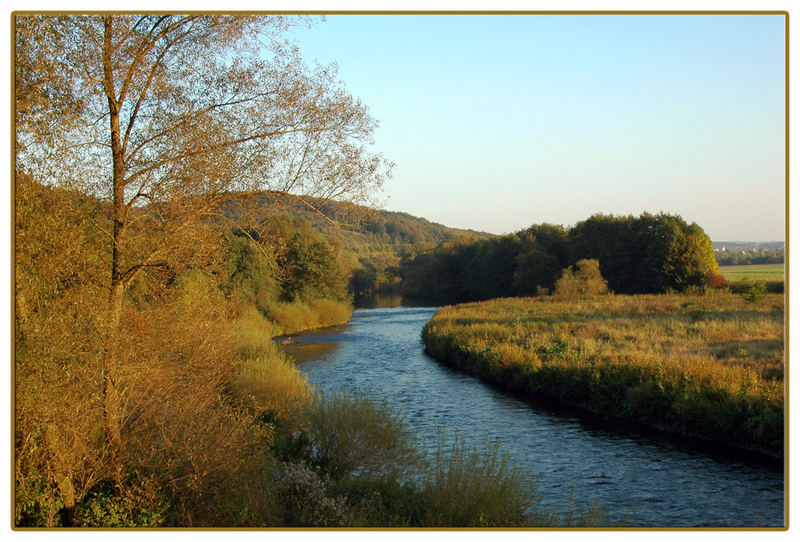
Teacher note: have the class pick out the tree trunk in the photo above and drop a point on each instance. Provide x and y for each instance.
(111, 399)
(67, 491)
(21, 310)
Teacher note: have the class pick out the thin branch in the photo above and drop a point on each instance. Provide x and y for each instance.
(218, 146)
(129, 274)
(183, 120)
(147, 46)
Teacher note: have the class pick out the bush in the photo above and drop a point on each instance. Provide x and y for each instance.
(470, 488)
(330, 312)
(717, 281)
(753, 291)
(271, 386)
(301, 316)
(139, 504)
(352, 435)
(253, 333)
(586, 280)
(302, 494)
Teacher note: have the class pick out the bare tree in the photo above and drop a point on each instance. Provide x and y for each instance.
(166, 116)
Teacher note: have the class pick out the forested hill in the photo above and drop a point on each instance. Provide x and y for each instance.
(372, 243)
(375, 243)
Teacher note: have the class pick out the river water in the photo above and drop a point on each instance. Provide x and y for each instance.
(639, 480)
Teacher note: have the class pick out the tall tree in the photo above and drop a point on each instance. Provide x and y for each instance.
(166, 116)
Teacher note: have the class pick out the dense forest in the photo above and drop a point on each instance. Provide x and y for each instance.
(645, 254)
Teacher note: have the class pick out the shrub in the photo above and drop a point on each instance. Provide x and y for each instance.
(586, 280)
(753, 291)
(36, 502)
(299, 316)
(302, 494)
(330, 312)
(352, 435)
(271, 385)
(138, 504)
(470, 488)
(717, 281)
(253, 333)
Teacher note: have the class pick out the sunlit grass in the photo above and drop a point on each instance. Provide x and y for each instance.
(300, 316)
(769, 272)
(708, 366)
(266, 379)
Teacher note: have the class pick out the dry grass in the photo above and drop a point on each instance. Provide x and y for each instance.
(266, 380)
(300, 316)
(708, 366)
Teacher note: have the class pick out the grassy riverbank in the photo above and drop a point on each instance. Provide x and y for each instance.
(257, 446)
(708, 367)
(350, 460)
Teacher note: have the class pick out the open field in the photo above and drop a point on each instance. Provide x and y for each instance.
(708, 367)
(768, 272)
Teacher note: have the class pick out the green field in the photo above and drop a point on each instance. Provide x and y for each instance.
(770, 272)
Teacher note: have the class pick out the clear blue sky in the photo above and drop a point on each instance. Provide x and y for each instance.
(497, 122)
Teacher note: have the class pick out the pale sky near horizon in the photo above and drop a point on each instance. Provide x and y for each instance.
(497, 122)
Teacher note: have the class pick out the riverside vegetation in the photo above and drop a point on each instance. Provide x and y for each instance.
(704, 366)
(677, 348)
(219, 428)
(147, 289)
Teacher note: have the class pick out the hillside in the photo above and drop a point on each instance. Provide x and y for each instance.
(372, 243)
(376, 242)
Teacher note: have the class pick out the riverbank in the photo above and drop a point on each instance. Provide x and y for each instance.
(348, 459)
(704, 367)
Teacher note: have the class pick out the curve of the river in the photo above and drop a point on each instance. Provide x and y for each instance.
(639, 480)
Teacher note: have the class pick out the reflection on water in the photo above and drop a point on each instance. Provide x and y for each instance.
(638, 479)
(305, 352)
(378, 301)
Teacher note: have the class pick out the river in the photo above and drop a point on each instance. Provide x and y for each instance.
(640, 480)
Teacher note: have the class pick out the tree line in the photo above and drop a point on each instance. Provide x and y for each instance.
(750, 257)
(644, 254)
(374, 242)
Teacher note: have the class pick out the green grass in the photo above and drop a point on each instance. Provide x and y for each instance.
(709, 367)
(768, 272)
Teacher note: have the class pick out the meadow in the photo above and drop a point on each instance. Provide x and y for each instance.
(767, 272)
(708, 367)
